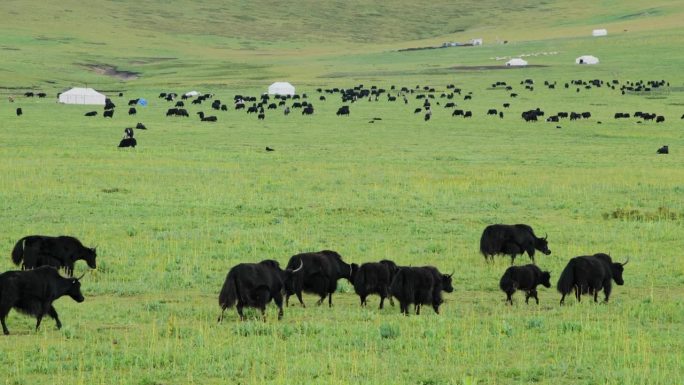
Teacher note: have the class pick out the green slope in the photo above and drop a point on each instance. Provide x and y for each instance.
(220, 42)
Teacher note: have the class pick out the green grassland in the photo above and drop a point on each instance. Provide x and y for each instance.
(173, 215)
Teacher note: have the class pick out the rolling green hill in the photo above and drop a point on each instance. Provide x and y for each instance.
(252, 42)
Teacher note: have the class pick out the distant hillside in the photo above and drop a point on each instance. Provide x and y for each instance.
(67, 40)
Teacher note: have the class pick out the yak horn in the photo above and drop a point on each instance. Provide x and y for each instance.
(301, 265)
(452, 273)
(626, 261)
(546, 235)
(82, 275)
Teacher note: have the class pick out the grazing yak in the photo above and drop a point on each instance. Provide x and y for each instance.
(374, 278)
(663, 150)
(308, 110)
(132, 111)
(344, 110)
(321, 271)
(32, 292)
(255, 285)
(62, 251)
(524, 278)
(590, 274)
(108, 114)
(420, 286)
(511, 240)
(128, 142)
(206, 118)
(91, 113)
(140, 126)
(20, 112)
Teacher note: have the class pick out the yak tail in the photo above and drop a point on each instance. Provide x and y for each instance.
(229, 293)
(567, 278)
(18, 251)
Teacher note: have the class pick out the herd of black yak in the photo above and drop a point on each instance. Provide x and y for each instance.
(32, 289)
(452, 100)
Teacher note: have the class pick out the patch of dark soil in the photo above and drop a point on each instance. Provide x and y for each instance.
(104, 69)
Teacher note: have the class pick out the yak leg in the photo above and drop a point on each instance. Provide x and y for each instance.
(435, 306)
(4, 326)
(39, 319)
(509, 297)
(562, 299)
(330, 300)
(363, 300)
(220, 318)
(417, 306)
(382, 301)
(3, 314)
(299, 297)
(278, 299)
(404, 308)
(512, 259)
(238, 307)
(53, 314)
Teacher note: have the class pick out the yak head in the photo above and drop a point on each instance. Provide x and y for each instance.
(542, 245)
(89, 255)
(354, 270)
(617, 269)
(289, 276)
(446, 283)
(74, 290)
(545, 279)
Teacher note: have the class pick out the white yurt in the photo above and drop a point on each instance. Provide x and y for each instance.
(281, 88)
(82, 96)
(599, 32)
(191, 94)
(517, 62)
(587, 59)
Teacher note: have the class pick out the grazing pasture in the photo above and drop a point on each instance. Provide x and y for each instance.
(171, 216)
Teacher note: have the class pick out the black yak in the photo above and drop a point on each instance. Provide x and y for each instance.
(590, 274)
(62, 251)
(663, 150)
(321, 271)
(128, 142)
(374, 278)
(255, 285)
(511, 240)
(91, 113)
(524, 278)
(20, 111)
(32, 292)
(420, 286)
(344, 110)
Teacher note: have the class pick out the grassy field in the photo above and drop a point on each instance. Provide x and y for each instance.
(172, 216)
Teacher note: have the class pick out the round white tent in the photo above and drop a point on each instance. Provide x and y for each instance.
(517, 62)
(587, 59)
(191, 94)
(281, 88)
(82, 96)
(599, 32)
